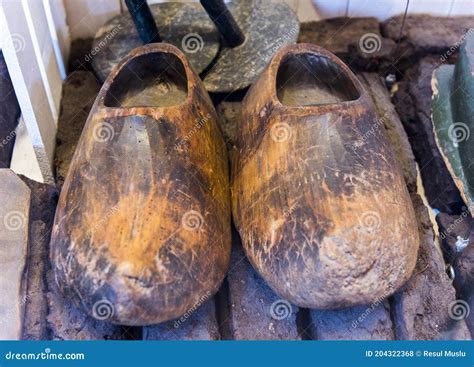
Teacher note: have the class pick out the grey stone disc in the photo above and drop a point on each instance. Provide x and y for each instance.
(267, 26)
(184, 25)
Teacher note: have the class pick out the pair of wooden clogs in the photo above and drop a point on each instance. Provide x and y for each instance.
(143, 222)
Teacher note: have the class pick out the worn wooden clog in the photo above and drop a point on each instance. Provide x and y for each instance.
(142, 229)
(317, 195)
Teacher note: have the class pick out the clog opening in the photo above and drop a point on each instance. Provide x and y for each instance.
(307, 80)
(149, 80)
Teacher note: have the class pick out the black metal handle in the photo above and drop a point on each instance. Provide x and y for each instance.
(144, 21)
(224, 21)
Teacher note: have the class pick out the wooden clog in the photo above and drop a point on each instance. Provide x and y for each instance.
(142, 228)
(317, 195)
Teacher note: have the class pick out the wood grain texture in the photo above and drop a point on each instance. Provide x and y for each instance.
(322, 209)
(143, 221)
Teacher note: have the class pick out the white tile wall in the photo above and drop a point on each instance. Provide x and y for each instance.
(462, 7)
(86, 16)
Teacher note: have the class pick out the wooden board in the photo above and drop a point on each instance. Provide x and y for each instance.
(14, 218)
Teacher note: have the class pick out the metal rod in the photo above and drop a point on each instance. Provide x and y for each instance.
(224, 21)
(144, 21)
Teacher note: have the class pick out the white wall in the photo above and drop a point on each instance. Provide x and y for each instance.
(384, 9)
(86, 16)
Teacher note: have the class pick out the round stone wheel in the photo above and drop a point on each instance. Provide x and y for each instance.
(184, 25)
(267, 26)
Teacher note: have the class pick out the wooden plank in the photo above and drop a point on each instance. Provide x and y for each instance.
(14, 218)
(24, 160)
(25, 71)
(59, 31)
(42, 208)
(43, 46)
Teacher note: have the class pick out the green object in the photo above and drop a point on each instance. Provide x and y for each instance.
(453, 117)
